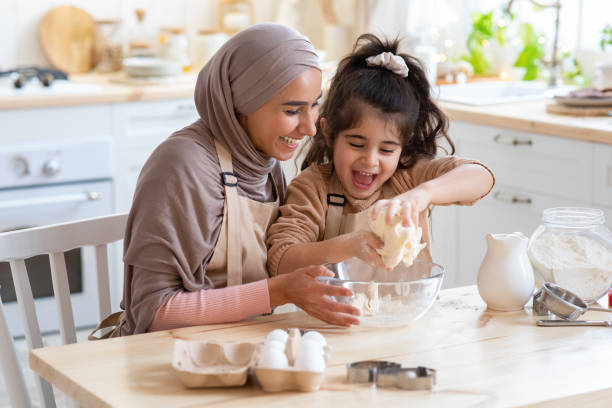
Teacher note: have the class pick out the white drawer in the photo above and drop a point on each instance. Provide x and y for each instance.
(533, 162)
(42, 125)
(149, 123)
(602, 176)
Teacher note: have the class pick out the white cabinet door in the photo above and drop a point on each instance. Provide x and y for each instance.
(602, 176)
(139, 127)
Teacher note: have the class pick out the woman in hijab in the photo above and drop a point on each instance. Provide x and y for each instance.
(194, 248)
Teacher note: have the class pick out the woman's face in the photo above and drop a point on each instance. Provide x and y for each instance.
(278, 127)
(366, 156)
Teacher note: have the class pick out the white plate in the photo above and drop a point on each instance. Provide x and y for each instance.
(147, 67)
(571, 101)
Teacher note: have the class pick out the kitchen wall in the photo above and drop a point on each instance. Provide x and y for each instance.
(445, 23)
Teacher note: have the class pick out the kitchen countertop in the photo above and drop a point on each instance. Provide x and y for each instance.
(524, 116)
(531, 116)
(99, 89)
(482, 358)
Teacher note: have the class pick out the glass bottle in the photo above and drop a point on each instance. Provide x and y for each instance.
(573, 248)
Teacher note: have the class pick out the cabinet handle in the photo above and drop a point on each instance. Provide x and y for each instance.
(511, 198)
(183, 107)
(511, 141)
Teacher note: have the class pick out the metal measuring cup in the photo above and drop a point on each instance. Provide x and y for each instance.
(564, 303)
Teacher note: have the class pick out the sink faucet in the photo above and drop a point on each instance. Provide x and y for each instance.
(554, 77)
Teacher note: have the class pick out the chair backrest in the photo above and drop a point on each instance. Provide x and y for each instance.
(54, 240)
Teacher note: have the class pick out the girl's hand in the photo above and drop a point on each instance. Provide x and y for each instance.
(302, 288)
(363, 245)
(406, 206)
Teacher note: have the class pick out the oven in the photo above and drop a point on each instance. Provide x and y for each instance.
(49, 184)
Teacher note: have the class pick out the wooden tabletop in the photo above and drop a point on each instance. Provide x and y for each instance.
(482, 357)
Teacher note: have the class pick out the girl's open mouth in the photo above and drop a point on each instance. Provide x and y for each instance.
(362, 179)
(290, 142)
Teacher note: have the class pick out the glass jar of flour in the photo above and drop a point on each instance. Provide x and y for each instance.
(573, 248)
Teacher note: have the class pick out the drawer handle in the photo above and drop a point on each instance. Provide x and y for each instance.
(185, 107)
(511, 198)
(511, 141)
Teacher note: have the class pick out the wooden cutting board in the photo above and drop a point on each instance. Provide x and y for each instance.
(67, 37)
(558, 109)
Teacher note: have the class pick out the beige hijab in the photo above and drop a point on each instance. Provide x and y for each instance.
(176, 215)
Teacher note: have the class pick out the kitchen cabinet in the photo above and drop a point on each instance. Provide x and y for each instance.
(533, 172)
(138, 127)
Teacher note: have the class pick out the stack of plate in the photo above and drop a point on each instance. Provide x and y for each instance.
(583, 102)
(146, 67)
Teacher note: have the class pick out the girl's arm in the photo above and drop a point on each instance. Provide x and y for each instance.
(360, 244)
(465, 183)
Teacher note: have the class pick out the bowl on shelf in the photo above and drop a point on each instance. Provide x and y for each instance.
(387, 298)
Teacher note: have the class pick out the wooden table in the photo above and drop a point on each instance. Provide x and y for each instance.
(483, 358)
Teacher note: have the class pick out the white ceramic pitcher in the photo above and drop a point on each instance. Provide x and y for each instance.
(505, 277)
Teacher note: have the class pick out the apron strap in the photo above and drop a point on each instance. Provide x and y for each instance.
(335, 205)
(230, 184)
(113, 321)
(335, 208)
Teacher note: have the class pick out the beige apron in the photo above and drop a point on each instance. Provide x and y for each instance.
(240, 254)
(337, 223)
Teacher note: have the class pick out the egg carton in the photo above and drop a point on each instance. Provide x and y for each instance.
(200, 363)
(213, 364)
(291, 379)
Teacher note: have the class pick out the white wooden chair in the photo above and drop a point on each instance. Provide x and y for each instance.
(54, 240)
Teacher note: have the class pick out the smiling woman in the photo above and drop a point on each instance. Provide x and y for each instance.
(195, 240)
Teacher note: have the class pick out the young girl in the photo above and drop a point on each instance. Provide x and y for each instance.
(375, 146)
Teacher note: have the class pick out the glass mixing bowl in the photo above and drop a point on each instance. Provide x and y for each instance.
(573, 249)
(387, 298)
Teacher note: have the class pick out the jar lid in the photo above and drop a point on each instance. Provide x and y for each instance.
(573, 217)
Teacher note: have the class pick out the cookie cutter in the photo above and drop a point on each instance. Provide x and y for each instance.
(366, 371)
(390, 374)
(411, 378)
(562, 303)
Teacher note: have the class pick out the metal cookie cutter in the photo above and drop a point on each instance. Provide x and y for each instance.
(413, 378)
(367, 371)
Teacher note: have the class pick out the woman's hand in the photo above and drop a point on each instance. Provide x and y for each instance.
(363, 245)
(302, 288)
(406, 206)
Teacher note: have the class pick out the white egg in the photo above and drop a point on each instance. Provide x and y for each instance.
(310, 359)
(315, 336)
(278, 335)
(311, 346)
(272, 357)
(275, 344)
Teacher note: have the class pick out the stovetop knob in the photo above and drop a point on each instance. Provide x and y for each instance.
(51, 167)
(21, 166)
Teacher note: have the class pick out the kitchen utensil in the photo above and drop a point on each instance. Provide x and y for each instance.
(388, 298)
(539, 309)
(67, 37)
(366, 371)
(505, 276)
(412, 378)
(571, 323)
(564, 303)
(390, 374)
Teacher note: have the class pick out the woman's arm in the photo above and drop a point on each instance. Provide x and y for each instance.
(234, 303)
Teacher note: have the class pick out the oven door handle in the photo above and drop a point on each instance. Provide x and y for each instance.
(60, 199)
